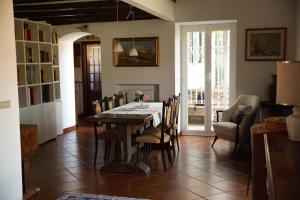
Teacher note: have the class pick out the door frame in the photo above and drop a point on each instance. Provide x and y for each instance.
(84, 64)
(207, 27)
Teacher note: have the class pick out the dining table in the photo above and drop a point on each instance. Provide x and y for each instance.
(128, 119)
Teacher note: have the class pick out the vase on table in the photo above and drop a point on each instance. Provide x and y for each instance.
(141, 103)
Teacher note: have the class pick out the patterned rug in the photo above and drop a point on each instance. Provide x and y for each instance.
(79, 196)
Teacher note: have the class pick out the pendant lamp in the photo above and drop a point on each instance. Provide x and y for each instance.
(118, 47)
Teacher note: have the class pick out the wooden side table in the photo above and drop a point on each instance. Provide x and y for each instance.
(259, 173)
(29, 145)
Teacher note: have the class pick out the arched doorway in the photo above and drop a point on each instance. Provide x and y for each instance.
(88, 83)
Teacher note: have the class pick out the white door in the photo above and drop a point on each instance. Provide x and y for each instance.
(208, 74)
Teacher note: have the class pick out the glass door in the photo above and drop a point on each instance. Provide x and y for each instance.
(207, 74)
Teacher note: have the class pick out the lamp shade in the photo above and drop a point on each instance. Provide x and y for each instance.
(133, 52)
(288, 83)
(118, 47)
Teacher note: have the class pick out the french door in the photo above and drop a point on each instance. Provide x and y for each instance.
(208, 74)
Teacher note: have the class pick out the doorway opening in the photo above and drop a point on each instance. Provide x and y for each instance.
(207, 74)
(87, 74)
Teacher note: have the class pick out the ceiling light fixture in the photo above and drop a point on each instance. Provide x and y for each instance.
(118, 47)
(133, 51)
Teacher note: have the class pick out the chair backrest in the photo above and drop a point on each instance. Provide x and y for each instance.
(167, 117)
(109, 103)
(249, 118)
(97, 105)
(121, 99)
(176, 100)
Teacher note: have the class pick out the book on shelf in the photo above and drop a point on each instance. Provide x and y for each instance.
(27, 32)
(29, 53)
(30, 74)
(44, 56)
(54, 59)
(31, 96)
(41, 36)
(54, 38)
(46, 93)
(55, 75)
(42, 75)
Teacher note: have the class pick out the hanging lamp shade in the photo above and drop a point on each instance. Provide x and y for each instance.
(133, 52)
(118, 47)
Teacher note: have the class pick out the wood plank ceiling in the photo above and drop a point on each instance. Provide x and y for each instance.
(62, 12)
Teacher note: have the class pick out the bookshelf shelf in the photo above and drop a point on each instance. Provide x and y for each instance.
(37, 63)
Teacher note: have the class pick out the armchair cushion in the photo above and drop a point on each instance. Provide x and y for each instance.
(226, 130)
(241, 110)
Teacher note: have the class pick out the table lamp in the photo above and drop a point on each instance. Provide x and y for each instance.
(288, 93)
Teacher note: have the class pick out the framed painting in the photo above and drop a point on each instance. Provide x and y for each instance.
(265, 44)
(147, 48)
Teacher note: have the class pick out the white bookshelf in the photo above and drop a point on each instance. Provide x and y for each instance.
(38, 77)
(37, 62)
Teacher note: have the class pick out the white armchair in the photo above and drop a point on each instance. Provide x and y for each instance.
(237, 120)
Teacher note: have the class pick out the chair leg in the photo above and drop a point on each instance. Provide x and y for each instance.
(173, 146)
(177, 139)
(137, 152)
(163, 155)
(235, 147)
(216, 137)
(106, 150)
(169, 153)
(96, 144)
(145, 152)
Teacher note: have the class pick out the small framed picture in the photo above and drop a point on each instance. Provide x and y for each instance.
(263, 44)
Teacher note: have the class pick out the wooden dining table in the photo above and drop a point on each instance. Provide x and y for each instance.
(128, 119)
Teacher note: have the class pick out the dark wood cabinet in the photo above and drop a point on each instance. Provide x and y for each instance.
(283, 167)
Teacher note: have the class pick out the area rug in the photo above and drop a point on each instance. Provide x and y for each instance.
(80, 196)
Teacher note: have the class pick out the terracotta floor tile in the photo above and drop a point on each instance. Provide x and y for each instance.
(66, 187)
(198, 172)
(205, 190)
(229, 185)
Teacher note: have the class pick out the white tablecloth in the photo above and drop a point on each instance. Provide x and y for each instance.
(135, 108)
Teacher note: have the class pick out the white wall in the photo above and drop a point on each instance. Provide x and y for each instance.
(112, 76)
(67, 86)
(10, 149)
(298, 31)
(253, 77)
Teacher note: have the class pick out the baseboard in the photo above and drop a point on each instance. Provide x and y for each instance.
(69, 129)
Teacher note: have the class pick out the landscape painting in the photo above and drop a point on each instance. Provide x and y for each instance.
(147, 48)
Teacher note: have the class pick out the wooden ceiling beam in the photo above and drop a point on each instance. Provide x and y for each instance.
(43, 2)
(92, 4)
(90, 15)
(66, 21)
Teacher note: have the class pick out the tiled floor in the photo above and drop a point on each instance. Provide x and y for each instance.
(199, 172)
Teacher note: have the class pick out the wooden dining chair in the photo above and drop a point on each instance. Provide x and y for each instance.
(161, 134)
(109, 102)
(176, 100)
(100, 132)
(121, 99)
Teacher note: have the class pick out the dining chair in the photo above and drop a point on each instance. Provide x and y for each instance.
(121, 99)
(159, 135)
(100, 132)
(174, 136)
(109, 102)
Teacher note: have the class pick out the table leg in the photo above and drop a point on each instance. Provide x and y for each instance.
(126, 165)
